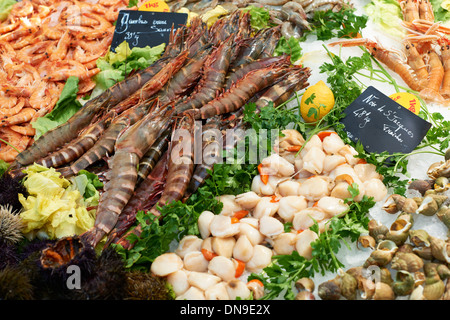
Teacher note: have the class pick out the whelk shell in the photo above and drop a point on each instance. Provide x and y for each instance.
(419, 237)
(440, 249)
(428, 207)
(407, 262)
(399, 230)
(404, 283)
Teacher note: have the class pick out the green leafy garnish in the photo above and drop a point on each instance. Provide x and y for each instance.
(116, 66)
(65, 108)
(441, 10)
(342, 24)
(5, 8)
(132, 3)
(259, 17)
(3, 167)
(289, 46)
(388, 15)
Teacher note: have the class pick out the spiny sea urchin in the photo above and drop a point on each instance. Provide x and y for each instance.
(146, 286)
(15, 285)
(9, 191)
(11, 225)
(107, 281)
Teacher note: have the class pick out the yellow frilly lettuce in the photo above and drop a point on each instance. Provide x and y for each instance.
(54, 207)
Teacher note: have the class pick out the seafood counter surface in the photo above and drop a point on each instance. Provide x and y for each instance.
(310, 186)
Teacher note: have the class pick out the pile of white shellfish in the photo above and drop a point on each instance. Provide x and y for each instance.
(299, 186)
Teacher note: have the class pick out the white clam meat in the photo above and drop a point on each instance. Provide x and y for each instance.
(179, 281)
(222, 267)
(166, 264)
(203, 280)
(289, 205)
(261, 258)
(203, 222)
(243, 249)
(188, 244)
(270, 226)
(217, 292)
(223, 226)
(303, 243)
(247, 200)
(195, 261)
(313, 160)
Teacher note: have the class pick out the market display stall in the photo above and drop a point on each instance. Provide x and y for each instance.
(224, 150)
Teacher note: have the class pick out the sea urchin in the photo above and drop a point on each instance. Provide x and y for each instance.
(11, 225)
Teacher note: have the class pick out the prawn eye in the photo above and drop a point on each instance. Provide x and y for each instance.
(407, 46)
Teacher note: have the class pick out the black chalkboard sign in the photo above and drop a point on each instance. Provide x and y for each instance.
(145, 28)
(381, 124)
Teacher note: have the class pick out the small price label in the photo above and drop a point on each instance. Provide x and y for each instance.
(407, 100)
(155, 5)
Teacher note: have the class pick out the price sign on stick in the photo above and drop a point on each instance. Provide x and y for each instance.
(381, 124)
(145, 28)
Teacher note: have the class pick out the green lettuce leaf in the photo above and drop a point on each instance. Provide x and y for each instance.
(65, 108)
(3, 167)
(5, 8)
(289, 46)
(388, 15)
(441, 10)
(116, 66)
(259, 17)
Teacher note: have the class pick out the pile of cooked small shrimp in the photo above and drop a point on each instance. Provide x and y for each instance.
(302, 183)
(423, 63)
(42, 43)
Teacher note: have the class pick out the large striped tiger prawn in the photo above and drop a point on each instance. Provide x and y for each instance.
(134, 125)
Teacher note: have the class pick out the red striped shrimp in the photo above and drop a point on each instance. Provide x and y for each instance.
(69, 130)
(241, 71)
(122, 177)
(211, 153)
(106, 143)
(151, 158)
(240, 92)
(180, 169)
(156, 83)
(186, 78)
(212, 79)
(76, 148)
(281, 91)
(394, 60)
(145, 197)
